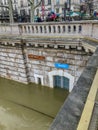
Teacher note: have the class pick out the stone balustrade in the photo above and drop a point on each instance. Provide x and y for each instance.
(6, 29)
(75, 28)
(51, 29)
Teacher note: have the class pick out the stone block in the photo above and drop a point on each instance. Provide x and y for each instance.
(49, 58)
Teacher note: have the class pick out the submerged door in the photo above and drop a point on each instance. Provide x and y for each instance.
(39, 81)
(61, 82)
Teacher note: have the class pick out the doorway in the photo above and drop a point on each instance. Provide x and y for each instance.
(61, 82)
(39, 81)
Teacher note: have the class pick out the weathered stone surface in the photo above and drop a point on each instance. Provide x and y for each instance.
(70, 113)
(12, 63)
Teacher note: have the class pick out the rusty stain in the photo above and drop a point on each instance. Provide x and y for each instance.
(31, 56)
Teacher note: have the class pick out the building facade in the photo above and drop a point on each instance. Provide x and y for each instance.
(4, 11)
(95, 3)
(22, 8)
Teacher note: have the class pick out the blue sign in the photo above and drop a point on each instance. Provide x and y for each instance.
(62, 66)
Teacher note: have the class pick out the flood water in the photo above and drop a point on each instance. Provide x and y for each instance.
(28, 107)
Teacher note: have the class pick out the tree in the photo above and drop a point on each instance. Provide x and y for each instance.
(10, 11)
(33, 7)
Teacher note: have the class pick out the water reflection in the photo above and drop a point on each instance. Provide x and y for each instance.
(28, 107)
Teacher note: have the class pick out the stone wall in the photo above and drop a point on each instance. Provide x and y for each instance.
(42, 68)
(16, 63)
(70, 113)
(12, 63)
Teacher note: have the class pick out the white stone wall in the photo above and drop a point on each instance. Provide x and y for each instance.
(46, 69)
(12, 64)
(15, 64)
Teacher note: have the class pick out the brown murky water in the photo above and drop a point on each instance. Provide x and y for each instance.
(28, 107)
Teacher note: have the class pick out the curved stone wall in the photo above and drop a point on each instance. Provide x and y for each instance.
(25, 62)
(69, 115)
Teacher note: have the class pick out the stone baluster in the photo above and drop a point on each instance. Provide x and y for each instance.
(30, 29)
(43, 30)
(34, 29)
(47, 29)
(26, 28)
(61, 29)
(45, 45)
(38, 29)
(23, 29)
(77, 31)
(52, 29)
(71, 29)
(56, 28)
(55, 46)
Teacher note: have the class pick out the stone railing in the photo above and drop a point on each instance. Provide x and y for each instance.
(75, 28)
(6, 29)
(52, 29)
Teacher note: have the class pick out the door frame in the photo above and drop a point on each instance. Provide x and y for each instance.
(61, 73)
(36, 76)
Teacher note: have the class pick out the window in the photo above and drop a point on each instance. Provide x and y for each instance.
(57, 10)
(37, 11)
(21, 3)
(49, 2)
(14, 1)
(22, 12)
(57, 2)
(29, 11)
(36, 1)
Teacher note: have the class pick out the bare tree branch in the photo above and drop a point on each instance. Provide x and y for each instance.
(31, 2)
(38, 4)
(33, 7)
(4, 6)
